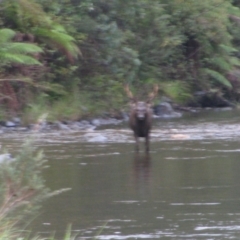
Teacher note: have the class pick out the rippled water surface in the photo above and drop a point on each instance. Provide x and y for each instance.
(188, 187)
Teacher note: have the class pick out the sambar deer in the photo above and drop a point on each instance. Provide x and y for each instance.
(140, 117)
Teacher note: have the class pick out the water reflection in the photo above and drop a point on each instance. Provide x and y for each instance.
(142, 173)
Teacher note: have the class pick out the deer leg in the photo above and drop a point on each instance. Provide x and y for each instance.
(147, 144)
(137, 143)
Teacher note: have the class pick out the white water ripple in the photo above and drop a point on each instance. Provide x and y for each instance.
(170, 132)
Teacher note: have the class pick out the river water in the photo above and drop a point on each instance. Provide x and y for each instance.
(188, 187)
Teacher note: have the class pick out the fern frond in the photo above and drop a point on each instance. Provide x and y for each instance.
(23, 48)
(52, 87)
(34, 12)
(217, 77)
(62, 40)
(234, 61)
(59, 28)
(228, 49)
(6, 35)
(8, 58)
(221, 63)
(16, 52)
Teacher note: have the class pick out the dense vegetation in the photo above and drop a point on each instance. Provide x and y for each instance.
(70, 57)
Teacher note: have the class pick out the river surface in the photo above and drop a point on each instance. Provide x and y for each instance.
(188, 187)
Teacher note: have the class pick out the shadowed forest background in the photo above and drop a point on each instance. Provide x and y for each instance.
(70, 58)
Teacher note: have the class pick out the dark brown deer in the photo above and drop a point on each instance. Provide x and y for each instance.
(140, 117)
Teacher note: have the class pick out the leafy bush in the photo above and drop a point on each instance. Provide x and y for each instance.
(22, 189)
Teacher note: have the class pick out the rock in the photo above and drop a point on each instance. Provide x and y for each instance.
(74, 125)
(84, 124)
(39, 127)
(96, 122)
(16, 120)
(6, 157)
(62, 126)
(105, 121)
(165, 110)
(210, 99)
(22, 129)
(10, 124)
(125, 116)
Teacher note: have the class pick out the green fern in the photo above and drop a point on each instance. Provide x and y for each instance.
(228, 49)
(61, 39)
(13, 52)
(52, 87)
(221, 63)
(17, 58)
(234, 61)
(217, 77)
(6, 35)
(30, 17)
(23, 48)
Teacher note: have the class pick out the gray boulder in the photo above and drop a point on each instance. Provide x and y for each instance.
(165, 110)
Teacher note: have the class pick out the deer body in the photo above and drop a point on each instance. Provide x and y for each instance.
(140, 118)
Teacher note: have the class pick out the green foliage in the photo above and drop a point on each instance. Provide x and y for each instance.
(28, 16)
(179, 91)
(103, 95)
(69, 107)
(218, 77)
(59, 37)
(22, 186)
(191, 43)
(34, 110)
(14, 52)
(160, 40)
(22, 190)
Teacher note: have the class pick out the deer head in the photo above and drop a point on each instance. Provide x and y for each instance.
(141, 108)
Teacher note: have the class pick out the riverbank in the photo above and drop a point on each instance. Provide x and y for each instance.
(163, 111)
